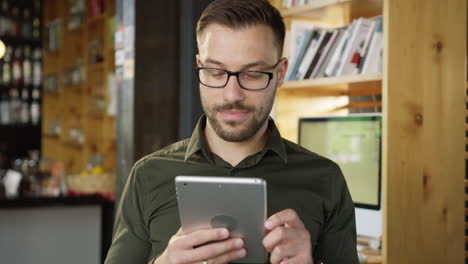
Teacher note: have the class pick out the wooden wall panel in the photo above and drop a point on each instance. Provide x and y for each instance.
(425, 51)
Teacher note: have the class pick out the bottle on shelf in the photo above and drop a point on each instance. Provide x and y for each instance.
(1, 71)
(4, 106)
(17, 67)
(37, 67)
(27, 25)
(5, 20)
(25, 109)
(6, 72)
(29, 185)
(15, 25)
(35, 106)
(15, 106)
(27, 66)
(36, 22)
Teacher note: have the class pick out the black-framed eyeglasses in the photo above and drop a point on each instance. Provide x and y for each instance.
(248, 80)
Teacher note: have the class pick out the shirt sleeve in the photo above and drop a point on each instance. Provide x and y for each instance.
(337, 243)
(130, 242)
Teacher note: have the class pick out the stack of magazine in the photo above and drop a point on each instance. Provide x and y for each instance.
(294, 3)
(319, 52)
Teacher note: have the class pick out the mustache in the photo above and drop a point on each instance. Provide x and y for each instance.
(231, 106)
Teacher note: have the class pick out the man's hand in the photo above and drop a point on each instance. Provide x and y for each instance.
(288, 241)
(193, 248)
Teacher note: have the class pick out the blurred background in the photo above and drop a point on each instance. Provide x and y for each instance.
(88, 87)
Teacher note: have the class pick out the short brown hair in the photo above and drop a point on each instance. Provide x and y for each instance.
(244, 13)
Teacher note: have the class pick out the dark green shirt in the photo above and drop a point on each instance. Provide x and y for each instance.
(314, 186)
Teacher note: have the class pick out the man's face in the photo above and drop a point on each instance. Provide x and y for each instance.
(236, 114)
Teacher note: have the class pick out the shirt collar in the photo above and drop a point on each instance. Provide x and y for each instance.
(198, 142)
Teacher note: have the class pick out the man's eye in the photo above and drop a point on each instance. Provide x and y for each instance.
(217, 73)
(253, 75)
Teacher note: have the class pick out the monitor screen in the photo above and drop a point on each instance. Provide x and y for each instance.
(354, 143)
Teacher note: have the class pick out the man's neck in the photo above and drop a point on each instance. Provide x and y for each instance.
(235, 152)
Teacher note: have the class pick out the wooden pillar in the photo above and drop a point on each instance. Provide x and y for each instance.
(424, 116)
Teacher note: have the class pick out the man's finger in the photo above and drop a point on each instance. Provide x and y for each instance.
(288, 217)
(278, 235)
(295, 259)
(217, 250)
(201, 237)
(282, 252)
(231, 256)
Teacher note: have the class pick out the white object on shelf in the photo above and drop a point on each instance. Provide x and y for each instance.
(12, 181)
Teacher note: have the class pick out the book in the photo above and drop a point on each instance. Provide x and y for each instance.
(365, 48)
(309, 55)
(373, 59)
(318, 54)
(299, 54)
(321, 63)
(334, 62)
(294, 36)
(350, 58)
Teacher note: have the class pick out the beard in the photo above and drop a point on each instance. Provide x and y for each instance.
(246, 129)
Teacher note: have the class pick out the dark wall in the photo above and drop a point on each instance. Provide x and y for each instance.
(156, 75)
(158, 101)
(189, 98)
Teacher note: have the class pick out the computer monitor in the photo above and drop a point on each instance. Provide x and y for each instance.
(354, 143)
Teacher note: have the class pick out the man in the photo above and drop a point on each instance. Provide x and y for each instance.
(239, 69)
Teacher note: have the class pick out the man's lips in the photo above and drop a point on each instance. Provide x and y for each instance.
(234, 115)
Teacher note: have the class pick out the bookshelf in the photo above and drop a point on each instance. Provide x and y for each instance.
(333, 95)
(375, 78)
(423, 107)
(82, 64)
(317, 9)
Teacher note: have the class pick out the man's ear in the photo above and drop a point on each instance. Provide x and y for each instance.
(197, 57)
(282, 71)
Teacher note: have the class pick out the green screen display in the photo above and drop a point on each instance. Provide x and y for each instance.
(354, 143)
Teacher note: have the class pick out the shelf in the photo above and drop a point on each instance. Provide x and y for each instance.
(96, 66)
(334, 81)
(98, 116)
(20, 126)
(74, 144)
(19, 40)
(98, 18)
(52, 94)
(76, 88)
(54, 201)
(50, 136)
(51, 54)
(316, 8)
(364, 104)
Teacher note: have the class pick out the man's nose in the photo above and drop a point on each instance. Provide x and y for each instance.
(232, 91)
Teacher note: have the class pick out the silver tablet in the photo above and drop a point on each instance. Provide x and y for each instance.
(239, 204)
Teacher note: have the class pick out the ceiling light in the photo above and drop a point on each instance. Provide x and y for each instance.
(2, 49)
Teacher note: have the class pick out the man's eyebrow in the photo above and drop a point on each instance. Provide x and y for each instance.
(214, 62)
(259, 63)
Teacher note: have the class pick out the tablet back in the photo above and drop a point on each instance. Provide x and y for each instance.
(238, 204)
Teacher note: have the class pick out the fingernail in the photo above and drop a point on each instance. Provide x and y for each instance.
(268, 224)
(242, 253)
(239, 243)
(224, 232)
